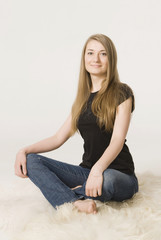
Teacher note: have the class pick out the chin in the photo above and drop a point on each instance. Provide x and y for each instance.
(96, 73)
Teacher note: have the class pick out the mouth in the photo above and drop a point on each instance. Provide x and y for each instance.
(95, 65)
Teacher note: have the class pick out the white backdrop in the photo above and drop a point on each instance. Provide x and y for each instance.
(40, 49)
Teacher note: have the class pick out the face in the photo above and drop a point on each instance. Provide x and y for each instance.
(96, 61)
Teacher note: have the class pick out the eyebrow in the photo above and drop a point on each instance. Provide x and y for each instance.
(93, 50)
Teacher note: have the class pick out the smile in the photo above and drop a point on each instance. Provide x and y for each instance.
(96, 65)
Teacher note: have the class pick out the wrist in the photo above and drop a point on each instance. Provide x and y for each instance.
(96, 170)
(23, 150)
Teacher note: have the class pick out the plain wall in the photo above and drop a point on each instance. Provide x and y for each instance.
(40, 51)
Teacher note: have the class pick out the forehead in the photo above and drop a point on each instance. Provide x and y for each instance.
(95, 45)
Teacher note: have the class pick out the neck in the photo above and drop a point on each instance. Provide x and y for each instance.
(96, 82)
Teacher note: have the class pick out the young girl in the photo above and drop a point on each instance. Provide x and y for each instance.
(101, 114)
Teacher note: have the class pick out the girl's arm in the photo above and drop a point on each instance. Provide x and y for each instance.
(121, 125)
(122, 121)
(52, 142)
(46, 145)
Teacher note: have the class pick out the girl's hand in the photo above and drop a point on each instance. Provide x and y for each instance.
(20, 164)
(94, 184)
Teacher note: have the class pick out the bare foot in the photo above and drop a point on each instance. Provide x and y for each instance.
(76, 187)
(87, 206)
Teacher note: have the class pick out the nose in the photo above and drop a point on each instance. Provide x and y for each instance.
(96, 58)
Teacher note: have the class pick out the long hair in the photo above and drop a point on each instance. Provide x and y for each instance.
(106, 100)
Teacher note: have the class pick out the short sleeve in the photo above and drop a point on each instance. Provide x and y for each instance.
(125, 93)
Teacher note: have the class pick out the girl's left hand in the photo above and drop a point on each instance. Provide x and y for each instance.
(94, 184)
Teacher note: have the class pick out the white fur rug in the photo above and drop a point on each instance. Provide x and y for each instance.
(26, 215)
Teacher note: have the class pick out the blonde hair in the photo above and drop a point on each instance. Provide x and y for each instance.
(106, 100)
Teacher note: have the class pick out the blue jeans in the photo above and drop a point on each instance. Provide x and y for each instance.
(55, 180)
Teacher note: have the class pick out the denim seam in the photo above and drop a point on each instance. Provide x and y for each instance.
(63, 169)
(75, 199)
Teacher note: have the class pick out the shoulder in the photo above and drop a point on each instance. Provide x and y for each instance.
(125, 89)
(126, 92)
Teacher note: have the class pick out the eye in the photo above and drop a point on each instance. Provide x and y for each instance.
(90, 53)
(104, 54)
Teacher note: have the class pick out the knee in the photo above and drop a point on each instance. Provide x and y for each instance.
(118, 185)
(109, 182)
(32, 161)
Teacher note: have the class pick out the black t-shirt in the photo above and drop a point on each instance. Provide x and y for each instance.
(96, 140)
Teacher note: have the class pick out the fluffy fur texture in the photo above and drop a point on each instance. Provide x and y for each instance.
(26, 215)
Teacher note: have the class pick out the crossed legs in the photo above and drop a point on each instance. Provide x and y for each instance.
(58, 182)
